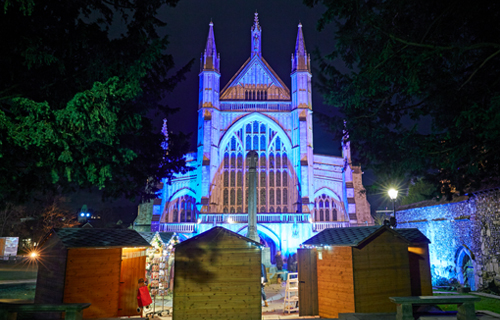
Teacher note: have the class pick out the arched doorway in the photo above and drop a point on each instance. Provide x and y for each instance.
(267, 238)
(465, 267)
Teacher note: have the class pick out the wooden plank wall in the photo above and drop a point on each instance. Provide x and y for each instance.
(381, 270)
(420, 270)
(308, 282)
(50, 275)
(217, 279)
(335, 282)
(93, 275)
(133, 267)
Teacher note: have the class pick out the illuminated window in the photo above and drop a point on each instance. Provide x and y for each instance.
(226, 160)
(271, 160)
(176, 216)
(334, 215)
(240, 160)
(262, 128)
(327, 215)
(278, 196)
(285, 161)
(226, 178)
(233, 198)
(285, 179)
(249, 128)
(262, 160)
(262, 196)
(271, 179)
(233, 179)
(271, 196)
(248, 143)
(226, 197)
(183, 215)
(278, 143)
(285, 196)
(255, 143)
(278, 161)
(263, 179)
(321, 203)
(262, 142)
(327, 204)
(240, 197)
(233, 161)
(239, 179)
(255, 127)
(321, 217)
(233, 143)
(278, 179)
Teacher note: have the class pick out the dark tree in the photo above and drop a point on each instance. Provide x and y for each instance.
(76, 99)
(421, 94)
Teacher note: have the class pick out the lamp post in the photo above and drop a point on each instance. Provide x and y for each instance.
(393, 194)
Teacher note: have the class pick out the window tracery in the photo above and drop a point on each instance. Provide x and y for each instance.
(272, 185)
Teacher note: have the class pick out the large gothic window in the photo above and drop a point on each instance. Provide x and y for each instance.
(272, 184)
(330, 205)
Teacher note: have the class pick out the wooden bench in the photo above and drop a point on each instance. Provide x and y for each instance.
(465, 305)
(74, 311)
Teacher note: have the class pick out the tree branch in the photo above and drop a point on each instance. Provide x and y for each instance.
(475, 71)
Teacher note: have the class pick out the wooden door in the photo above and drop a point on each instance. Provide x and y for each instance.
(308, 282)
(133, 267)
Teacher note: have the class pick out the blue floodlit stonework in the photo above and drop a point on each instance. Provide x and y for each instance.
(299, 193)
(464, 235)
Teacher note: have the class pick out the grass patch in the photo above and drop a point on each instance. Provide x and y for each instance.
(489, 304)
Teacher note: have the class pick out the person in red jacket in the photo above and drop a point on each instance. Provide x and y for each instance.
(143, 297)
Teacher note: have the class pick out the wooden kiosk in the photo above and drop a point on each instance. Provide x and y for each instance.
(359, 268)
(97, 266)
(217, 276)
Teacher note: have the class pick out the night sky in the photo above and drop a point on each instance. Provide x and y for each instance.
(187, 30)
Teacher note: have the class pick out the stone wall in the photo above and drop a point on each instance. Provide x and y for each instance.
(469, 229)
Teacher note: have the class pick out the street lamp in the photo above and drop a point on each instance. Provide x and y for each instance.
(393, 194)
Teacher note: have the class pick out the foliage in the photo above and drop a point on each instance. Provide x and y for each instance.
(418, 190)
(418, 86)
(77, 97)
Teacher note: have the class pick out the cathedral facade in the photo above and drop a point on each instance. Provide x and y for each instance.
(299, 193)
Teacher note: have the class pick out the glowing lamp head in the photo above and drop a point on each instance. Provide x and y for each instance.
(33, 255)
(393, 194)
(82, 214)
(88, 214)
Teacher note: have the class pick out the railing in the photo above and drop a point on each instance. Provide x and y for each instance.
(320, 226)
(261, 218)
(183, 227)
(255, 106)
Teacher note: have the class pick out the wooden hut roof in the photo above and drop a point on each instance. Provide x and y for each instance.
(99, 238)
(164, 236)
(216, 232)
(413, 235)
(354, 236)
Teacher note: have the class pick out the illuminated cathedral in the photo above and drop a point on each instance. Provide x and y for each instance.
(299, 193)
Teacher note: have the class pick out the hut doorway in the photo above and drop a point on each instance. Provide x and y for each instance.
(465, 268)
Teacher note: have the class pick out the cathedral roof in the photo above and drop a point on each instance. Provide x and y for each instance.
(253, 73)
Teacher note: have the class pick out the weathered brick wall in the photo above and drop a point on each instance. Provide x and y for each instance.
(472, 225)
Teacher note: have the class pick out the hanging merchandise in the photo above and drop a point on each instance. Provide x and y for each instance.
(159, 269)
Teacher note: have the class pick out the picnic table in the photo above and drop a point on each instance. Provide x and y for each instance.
(465, 305)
